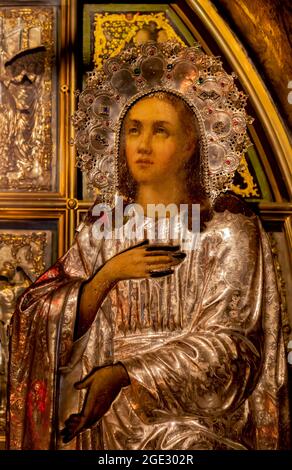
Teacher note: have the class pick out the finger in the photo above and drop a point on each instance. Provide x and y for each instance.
(138, 245)
(180, 255)
(171, 259)
(84, 383)
(152, 260)
(174, 261)
(159, 253)
(72, 418)
(163, 266)
(143, 243)
(70, 430)
(63, 431)
(69, 433)
(159, 267)
(159, 247)
(161, 273)
(68, 436)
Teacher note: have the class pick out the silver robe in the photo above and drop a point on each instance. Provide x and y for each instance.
(203, 348)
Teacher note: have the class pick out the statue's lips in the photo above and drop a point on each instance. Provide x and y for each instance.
(144, 161)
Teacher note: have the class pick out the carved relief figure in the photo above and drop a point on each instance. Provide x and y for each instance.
(13, 282)
(25, 138)
(22, 259)
(161, 342)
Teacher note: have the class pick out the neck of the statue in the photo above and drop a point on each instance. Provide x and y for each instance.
(162, 194)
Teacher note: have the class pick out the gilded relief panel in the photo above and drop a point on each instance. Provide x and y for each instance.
(27, 114)
(24, 255)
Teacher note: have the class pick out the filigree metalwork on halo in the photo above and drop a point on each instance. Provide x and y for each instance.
(187, 72)
(26, 52)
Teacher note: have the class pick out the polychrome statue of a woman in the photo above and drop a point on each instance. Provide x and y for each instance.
(165, 332)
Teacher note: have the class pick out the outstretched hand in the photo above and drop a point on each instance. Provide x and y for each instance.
(103, 385)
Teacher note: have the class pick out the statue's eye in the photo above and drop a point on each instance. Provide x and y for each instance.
(133, 130)
(161, 130)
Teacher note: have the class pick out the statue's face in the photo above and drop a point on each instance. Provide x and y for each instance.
(155, 142)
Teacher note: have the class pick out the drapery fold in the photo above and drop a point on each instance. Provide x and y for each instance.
(203, 348)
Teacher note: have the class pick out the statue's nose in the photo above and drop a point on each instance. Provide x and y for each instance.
(145, 142)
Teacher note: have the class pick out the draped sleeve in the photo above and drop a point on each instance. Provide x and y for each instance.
(41, 340)
(212, 367)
